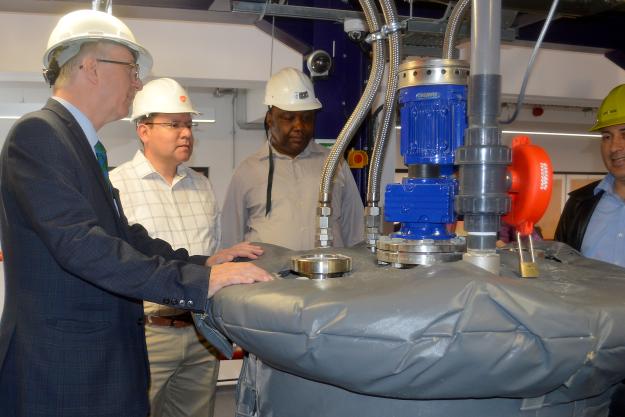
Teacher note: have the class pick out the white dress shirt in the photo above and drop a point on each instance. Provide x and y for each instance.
(184, 214)
(291, 222)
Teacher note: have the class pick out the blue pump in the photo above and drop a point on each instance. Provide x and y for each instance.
(433, 120)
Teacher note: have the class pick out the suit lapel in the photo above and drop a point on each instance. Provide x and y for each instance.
(81, 144)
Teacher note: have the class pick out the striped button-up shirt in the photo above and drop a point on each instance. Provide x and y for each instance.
(184, 214)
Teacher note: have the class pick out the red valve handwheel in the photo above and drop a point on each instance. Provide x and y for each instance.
(532, 176)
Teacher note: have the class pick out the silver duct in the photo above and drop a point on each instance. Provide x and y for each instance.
(102, 6)
(372, 210)
(324, 236)
(453, 27)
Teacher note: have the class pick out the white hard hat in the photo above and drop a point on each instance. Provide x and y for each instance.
(291, 90)
(163, 95)
(82, 26)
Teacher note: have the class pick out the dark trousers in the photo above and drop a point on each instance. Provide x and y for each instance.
(617, 406)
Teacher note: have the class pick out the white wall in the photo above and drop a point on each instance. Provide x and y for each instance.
(217, 146)
(559, 76)
(202, 53)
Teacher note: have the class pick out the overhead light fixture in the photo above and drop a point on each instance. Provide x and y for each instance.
(527, 132)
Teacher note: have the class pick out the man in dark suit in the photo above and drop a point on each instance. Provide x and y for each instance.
(71, 337)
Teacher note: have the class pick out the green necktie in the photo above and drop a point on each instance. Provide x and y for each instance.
(100, 153)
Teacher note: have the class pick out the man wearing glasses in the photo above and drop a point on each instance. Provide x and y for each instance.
(72, 339)
(176, 204)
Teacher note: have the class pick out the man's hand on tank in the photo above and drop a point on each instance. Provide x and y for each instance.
(240, 250)
(230, 273)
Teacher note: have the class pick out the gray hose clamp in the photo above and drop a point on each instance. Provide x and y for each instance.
(384, 32)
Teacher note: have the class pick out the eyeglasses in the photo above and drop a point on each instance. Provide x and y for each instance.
(132, 65)
(174, 125)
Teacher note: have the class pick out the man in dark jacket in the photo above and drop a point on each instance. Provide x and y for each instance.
(593, 219)
(576, 215)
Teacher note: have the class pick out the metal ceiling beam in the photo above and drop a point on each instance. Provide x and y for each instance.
(301, 12)
(568, 7)
(412, 25)
(571, 8)
(161, 13)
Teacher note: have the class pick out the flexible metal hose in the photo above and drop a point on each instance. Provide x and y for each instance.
(388, 114)
(361, 110)
(453, 27)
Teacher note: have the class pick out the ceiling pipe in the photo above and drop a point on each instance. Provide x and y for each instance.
(102, 6)
(570, 8)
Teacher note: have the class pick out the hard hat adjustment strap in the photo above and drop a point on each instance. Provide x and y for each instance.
(269, 180)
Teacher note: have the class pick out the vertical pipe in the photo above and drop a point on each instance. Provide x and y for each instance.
(324, 237)
(105, 6)
(483, 161)
(385, 129)
(485, 36)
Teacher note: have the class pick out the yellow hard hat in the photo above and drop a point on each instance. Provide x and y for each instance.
(612, 109)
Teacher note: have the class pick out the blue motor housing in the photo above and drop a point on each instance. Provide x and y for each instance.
(433, 120)
(433, 109)
(424, 206)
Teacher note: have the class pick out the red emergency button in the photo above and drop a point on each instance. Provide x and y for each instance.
(357, 158)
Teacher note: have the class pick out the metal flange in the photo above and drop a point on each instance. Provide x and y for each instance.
(405, 253)
(321, 265)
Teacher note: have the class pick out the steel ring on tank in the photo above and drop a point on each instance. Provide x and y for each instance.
(421, 246)
(404, 252)
(407, 259)
(321, 265)
(427, 71)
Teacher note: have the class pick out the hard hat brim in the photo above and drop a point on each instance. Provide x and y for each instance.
(298, 106)
(135, 117)
(607, 123)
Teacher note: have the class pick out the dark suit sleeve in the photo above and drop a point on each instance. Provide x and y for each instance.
(58, 196)
(141, 240)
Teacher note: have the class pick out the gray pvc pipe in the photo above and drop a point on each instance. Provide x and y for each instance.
(483, 160)
(485, 37)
